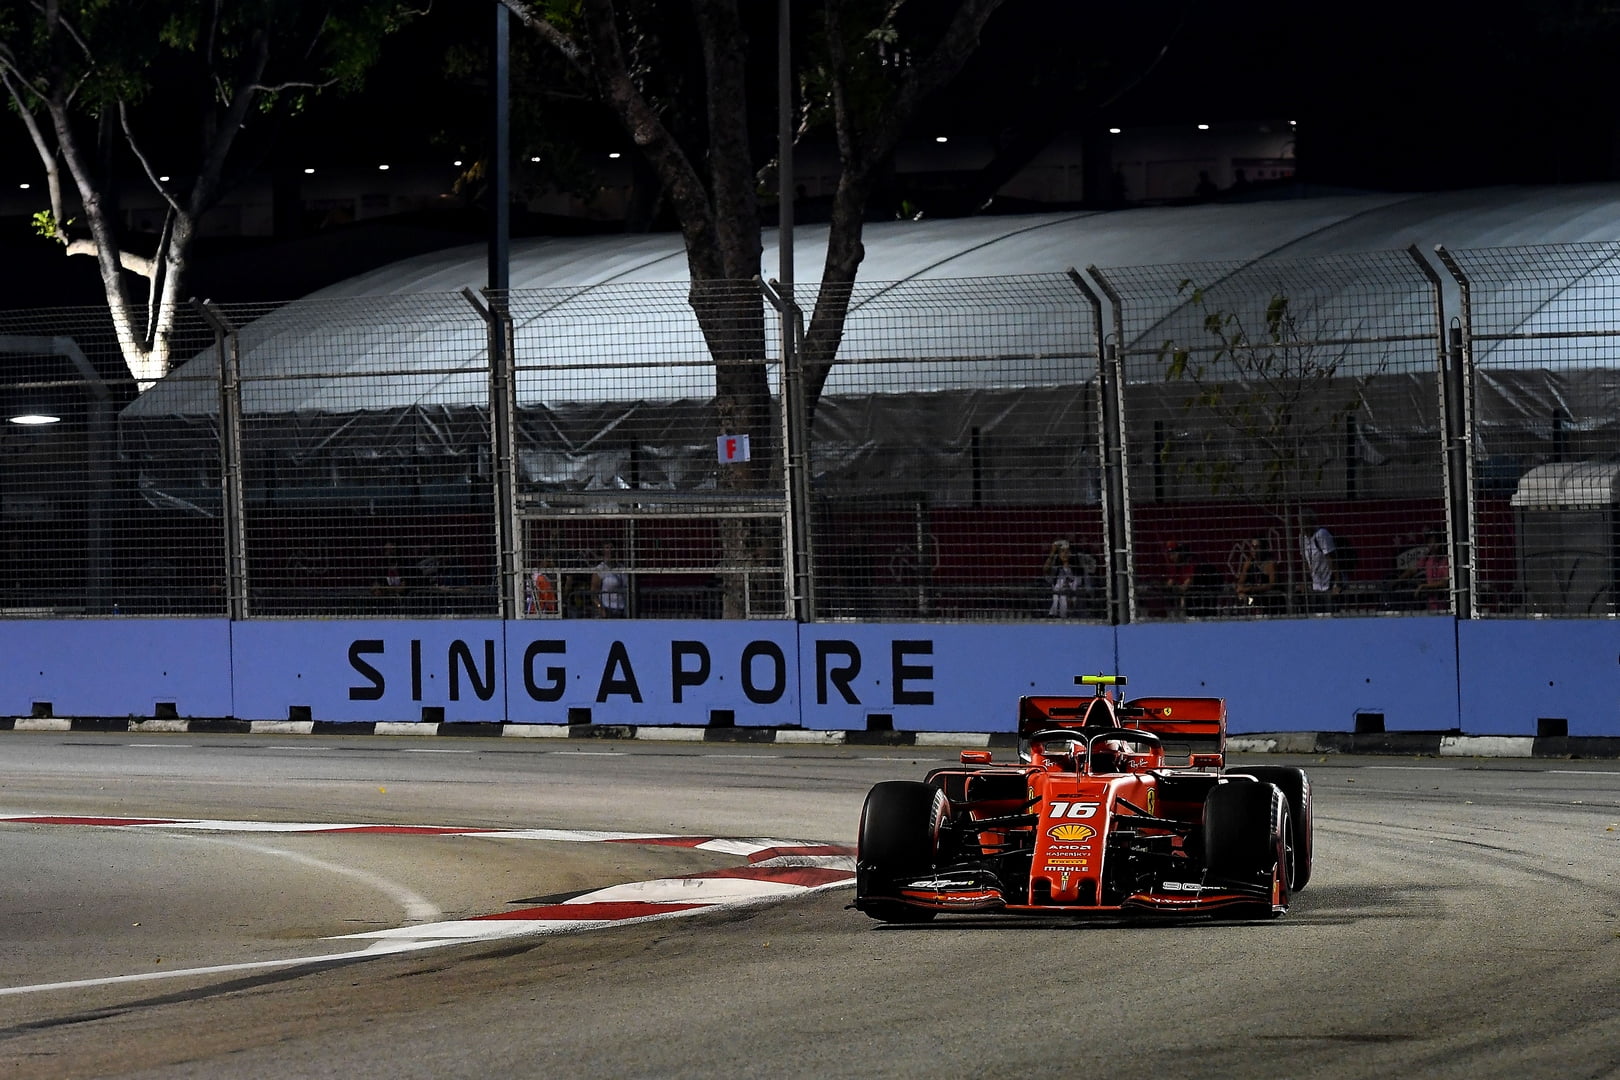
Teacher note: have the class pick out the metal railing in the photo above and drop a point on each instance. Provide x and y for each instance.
(1122, 444)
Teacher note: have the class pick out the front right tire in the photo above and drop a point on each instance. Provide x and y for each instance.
(1246, 840)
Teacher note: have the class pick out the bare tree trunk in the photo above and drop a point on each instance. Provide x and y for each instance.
(719, 213)
(731, 315)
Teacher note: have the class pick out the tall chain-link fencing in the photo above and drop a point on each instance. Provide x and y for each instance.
(1282, 435)
(1540, 335)
(649, 471)
(361, 477)
(954, 454)
(1203, 441)
(84, 529)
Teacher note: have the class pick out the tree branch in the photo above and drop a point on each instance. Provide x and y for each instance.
(565, 46)
(206, 187)
(952, 51)
(140, 156)
(262, 88)
(606, 65)
(47, 155)
(135, 264)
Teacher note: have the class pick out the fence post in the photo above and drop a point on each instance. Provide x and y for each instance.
(1111, 433)
(233, 506)
(795, 449)
(1454, 459)
(1457, 369)
(503, 452)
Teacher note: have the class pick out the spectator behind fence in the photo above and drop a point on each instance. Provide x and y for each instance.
(610, 587)
(540, 595)
(1061, 575)
(1425, 580)
(1255, 581)
(1398, 583)
(429, 575)
(1436, 586)
(390, 580)
(1317, 547)
(1194, 586)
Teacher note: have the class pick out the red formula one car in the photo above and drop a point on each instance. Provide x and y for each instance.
(1093, 819)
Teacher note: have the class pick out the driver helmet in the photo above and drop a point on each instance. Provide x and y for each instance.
(1062, 753)
(1105, 756)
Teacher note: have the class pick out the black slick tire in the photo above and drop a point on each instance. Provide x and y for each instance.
(1296, 787)
(1246, 836)
(899, 837)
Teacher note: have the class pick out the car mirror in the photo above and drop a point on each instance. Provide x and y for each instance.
(975, 757)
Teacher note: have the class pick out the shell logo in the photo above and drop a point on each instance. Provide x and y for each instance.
(1071, 831)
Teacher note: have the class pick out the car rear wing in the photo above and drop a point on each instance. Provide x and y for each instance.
(1185, 725)
(1199, 723)
(1037, 712)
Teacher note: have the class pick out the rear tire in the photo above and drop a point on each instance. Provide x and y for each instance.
(1246, 836)
(1296, 786)
(899, 837)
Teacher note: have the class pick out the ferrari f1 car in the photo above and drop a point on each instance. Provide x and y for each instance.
(1095, 818)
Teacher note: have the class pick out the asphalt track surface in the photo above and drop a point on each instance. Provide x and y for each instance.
(1463, 921)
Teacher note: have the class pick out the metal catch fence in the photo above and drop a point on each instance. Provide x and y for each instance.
(648, 463)
(1281, 435)
(1539, 339)
(1123, 444)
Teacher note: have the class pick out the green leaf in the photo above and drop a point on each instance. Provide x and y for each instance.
(1276, 316)
(45, 224)
(1178, 362)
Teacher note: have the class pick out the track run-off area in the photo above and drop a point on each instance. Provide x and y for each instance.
(250, 906)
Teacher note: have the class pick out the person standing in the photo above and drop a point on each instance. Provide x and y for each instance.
(610, 587)
(1316, 544)
(1060, 574)
(540, 595)
(390, 580)
(1193, 586)
(1255, 582)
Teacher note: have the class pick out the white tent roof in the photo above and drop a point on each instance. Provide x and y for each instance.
(1052, 243)
(318, 338)
(1569, 485)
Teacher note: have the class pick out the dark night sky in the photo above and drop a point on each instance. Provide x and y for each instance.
(1387, 95)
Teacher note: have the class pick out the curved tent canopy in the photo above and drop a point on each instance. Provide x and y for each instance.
(401, 337)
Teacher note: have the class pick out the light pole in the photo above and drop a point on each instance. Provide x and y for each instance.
(784, 145)
(795, 437)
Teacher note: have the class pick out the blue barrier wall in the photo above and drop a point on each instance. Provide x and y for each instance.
(652, 671)
(116, 667)
(931, 677)
(370, 671)
(1420, 673)
(1514, 673)
(1304, 674)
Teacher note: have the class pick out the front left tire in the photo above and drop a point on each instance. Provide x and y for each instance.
(899, 838)
(1296, 787)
